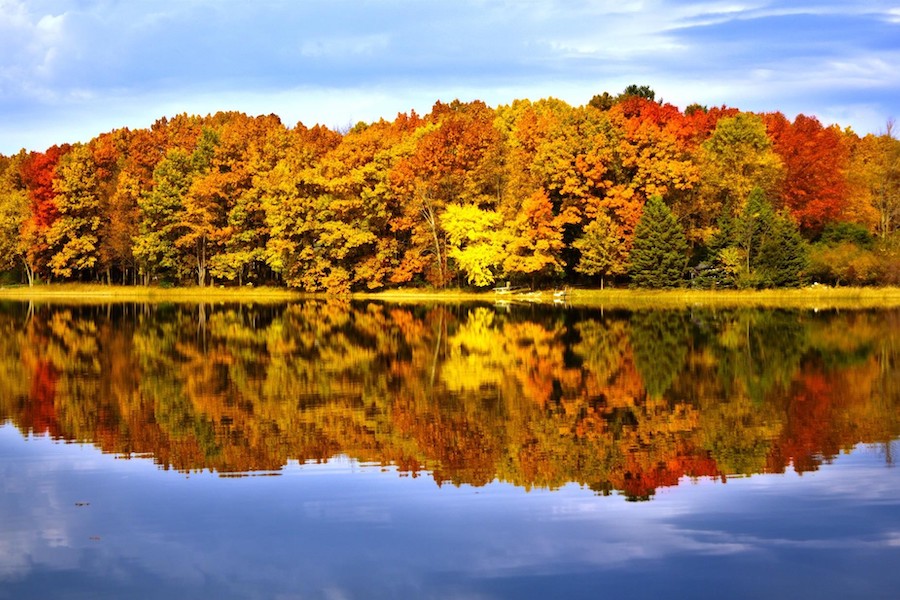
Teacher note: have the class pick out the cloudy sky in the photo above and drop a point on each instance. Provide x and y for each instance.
(70, 69)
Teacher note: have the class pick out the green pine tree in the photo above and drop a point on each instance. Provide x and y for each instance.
(659, 254)
(753, 227)
(783, 256)
(769, 244)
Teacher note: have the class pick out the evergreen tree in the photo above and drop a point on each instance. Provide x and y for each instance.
(660, 340)
(769, 245)
(752, 228)
(659, 254)
(783, 256)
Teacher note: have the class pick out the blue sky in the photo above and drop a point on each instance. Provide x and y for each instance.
(70, 70)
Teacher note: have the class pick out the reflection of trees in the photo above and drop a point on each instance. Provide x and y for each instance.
(615, 402)
(601, 346)
(22, 382)
(738, 434)
(660, 340)
(759, 350)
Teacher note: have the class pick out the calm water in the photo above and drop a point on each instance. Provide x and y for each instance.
(324, 450)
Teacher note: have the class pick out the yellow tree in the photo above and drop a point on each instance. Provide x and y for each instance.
(736, 159)
(601, 248)
(74, 236)
(14, 213)
(249, 147)
(360, 237)
(475, 241)
(453, 158)
(558, 166)
(203, 213)
(217, 206)
(858, 207)
(297, 201)
(875, 168)
(535, 238)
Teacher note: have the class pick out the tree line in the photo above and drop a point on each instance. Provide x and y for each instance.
(624, 189)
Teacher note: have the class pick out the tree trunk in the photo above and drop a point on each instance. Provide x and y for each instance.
(431, 219)
(201, 262)
(29, 272)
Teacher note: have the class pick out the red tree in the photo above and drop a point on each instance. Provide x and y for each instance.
(814, 188)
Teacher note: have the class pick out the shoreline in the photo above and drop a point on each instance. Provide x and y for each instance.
(818, 297)
(815, 297)
(85, 293)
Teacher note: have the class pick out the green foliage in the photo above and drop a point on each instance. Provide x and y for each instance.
(660, 340)
(844, 263)
(758, 352)
(733, 261)
(659, 255)
(783, 256)
(737, 158)
(602, 101)
(695, 107)
(639, 91)
(836, 233)
(849, 263)
(773, 252)
(161, 208)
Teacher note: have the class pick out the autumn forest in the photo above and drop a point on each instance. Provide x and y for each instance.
(625, 190)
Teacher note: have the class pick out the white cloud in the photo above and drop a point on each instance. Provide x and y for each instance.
(30, 48)
(66, 69)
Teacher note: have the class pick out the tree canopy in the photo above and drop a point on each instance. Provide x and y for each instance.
(538, 192)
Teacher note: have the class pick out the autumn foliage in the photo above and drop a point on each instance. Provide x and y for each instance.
(539, 193)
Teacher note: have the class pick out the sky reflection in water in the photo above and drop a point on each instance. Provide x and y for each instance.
(78, 523)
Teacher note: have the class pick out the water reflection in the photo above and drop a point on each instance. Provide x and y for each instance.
(536, 397)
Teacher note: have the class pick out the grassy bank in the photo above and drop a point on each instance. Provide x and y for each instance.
(819, 297)
(97, 293)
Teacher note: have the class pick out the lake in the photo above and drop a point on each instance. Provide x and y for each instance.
(345, 450)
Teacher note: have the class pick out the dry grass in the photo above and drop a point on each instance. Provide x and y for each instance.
(97, 293)
(819, 297)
